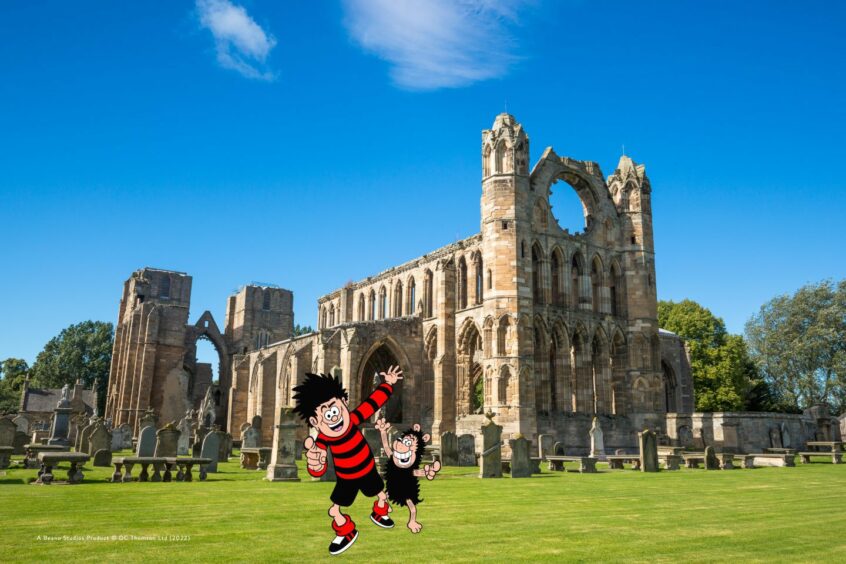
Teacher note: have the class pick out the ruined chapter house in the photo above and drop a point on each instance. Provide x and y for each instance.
(542, 327)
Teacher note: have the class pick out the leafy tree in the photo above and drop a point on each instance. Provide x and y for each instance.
(302, 330)
(82, 351)
(13, 372)
(724, 376)
(799, 343)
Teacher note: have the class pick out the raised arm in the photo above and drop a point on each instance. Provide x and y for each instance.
(383, 427)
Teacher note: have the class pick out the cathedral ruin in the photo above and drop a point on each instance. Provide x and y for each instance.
(543, 328)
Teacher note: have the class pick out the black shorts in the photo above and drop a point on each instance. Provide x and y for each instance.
(346, 490)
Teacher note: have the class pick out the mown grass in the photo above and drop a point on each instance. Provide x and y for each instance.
(765, 514)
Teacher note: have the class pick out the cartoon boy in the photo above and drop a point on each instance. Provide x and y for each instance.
(322, 401)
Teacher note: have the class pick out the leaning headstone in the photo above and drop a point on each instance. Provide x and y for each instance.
(167, 439)
(7, 431)
(449, 449)
(597, 443)
(648, 444)
(86, 436)
(711, 460)
(785, 436)
(520, 463)
(283, 467)
(199, 436)
(183, 443)
(545, 444)
(211, 449)
(146, 442)
(466, 450)
(490, 459)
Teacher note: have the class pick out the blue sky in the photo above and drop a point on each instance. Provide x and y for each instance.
(310, 143)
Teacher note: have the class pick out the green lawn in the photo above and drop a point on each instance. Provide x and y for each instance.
(792, 514)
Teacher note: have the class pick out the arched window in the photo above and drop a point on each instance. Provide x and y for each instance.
(265, 305)
(537, 286)
(164, 291)
(500, 157)
(428, 294)
(480, 283)
(411, 301)
(398, 299)
(372, 312)
(556, 278)
(490, 279)
(383, 303)
(615, 293)
(323, 318)
(462, 283)
(575, 281)
(486, 161)
(502, 336)
(504, 383)
(361, 307)
(596, 284)
(331, 315)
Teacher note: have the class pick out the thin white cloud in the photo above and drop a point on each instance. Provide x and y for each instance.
(241, 44)
(435, 44)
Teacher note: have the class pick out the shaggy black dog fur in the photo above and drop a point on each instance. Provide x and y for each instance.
(401, 483)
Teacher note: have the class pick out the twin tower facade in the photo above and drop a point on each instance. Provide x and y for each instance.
(543, 328)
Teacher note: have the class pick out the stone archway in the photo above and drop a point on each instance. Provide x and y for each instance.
(379, 358)
(469, 374)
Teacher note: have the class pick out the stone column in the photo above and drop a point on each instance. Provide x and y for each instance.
(283, 467)
(444, 365)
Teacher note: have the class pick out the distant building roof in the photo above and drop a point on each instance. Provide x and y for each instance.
(45, 399)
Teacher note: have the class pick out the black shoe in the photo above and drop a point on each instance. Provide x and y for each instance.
(340, 544)
(382, 520)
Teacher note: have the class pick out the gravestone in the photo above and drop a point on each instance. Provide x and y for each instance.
(490, 459)
(466, 450)
(126, 432)
(80, 430)
(449, 449)
(329, 475)
(251, 437)
(282, 467)
(520, 464)
(84, 445)
(558, 449)
(225, 447)
(199, 436)
(7, 431)
(785, 436)
(99, 439)
(22, 423)
(597, 442)
(61, 420)
(117, 440)
(711, 460)
(146, 442)
(211, 449)
(685, 436)
(648, 444)
(167, 439)
(775, 437)
(545, 445)
(184, 442)
(102, 457)
(20, 441)
(149, 419)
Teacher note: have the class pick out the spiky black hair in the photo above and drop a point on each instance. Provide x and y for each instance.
(421, 445)
(314, 390)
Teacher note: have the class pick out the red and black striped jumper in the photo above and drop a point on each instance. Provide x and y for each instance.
(355, 466)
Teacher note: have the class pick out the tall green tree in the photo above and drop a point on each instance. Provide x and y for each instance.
(799, 343)
(302, 330)
(13, 372)
(82, 351)
(724, 376)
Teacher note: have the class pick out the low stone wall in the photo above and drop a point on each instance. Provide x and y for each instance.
(747, 431)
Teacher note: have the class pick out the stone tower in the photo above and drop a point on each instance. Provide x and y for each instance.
(506, 226)
(259, 315)
(147, 357)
